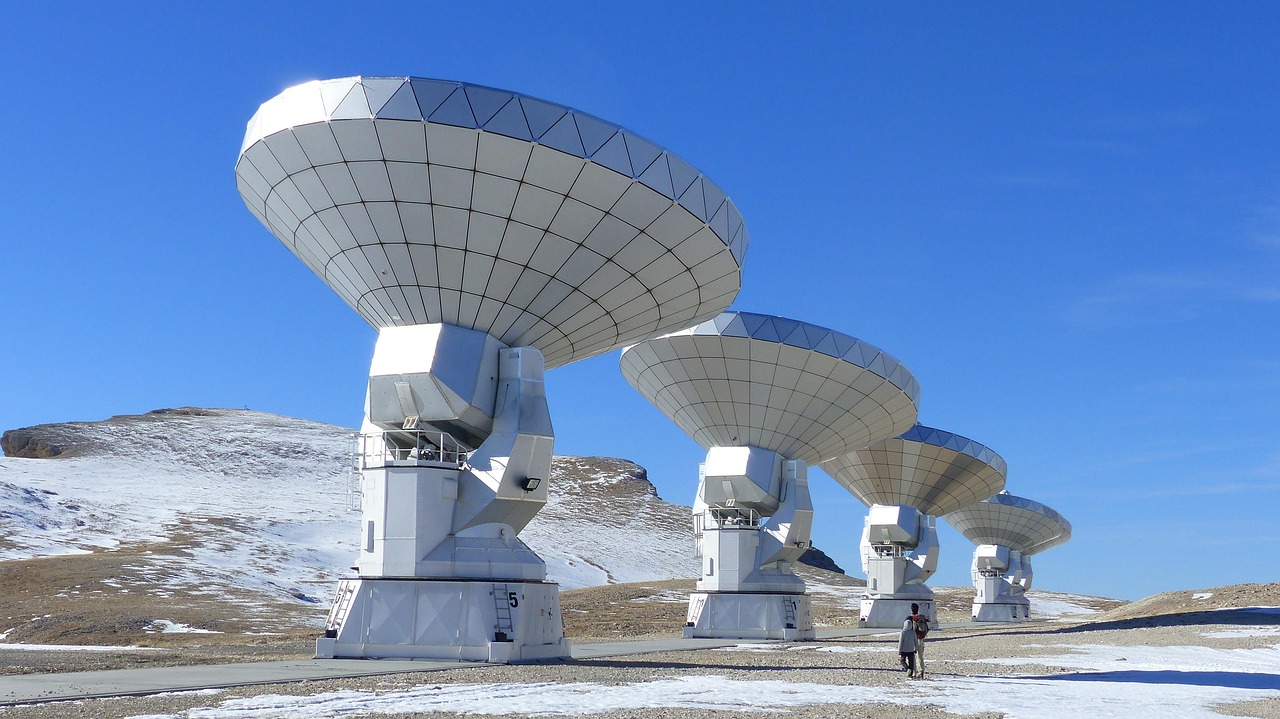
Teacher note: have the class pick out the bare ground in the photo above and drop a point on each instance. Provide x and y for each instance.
(115, 597)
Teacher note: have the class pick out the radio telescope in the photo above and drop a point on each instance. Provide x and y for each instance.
(487, 236)
(907, 482)
(766, 397)
(1007, 531)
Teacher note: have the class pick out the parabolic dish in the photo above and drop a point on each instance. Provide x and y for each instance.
(934, 471)
(1010, 521)
(800, 390)
(425, 201)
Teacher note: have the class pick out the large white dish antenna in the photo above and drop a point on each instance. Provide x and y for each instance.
(803, 391)
(932, 470)
(1014, 522)
(426, 201)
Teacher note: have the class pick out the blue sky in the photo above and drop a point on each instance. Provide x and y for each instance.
(1063, 218)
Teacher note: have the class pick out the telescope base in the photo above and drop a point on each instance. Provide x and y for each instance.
(465, 620)
(745, 615)
(890, 612)
(1011, 612)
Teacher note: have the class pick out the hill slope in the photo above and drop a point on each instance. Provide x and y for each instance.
(261, 501)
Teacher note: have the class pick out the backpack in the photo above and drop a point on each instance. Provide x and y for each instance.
(922, 625)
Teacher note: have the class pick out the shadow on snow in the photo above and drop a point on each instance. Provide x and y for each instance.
(1226, 680)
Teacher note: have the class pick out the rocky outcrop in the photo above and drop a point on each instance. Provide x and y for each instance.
(815, 557)
(25, 443)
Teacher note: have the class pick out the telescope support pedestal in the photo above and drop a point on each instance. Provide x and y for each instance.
(743, 615)
(889, 612)
(1012, 611)
(1000, 576)
(466, 620)
(442, 573)
(899, 553)
(747, 589)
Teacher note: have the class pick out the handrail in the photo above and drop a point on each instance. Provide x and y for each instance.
(737, 517)
(410, 446)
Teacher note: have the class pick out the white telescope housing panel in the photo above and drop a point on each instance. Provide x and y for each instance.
(803, 391)
(443, 375)
(893, 524)
(1010, 521)
(991, 558)
(932, 470)
(433, 202)
(742, 477)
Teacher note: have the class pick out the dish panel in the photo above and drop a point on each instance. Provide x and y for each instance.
(804, 391)
(930, 469)
(1013, 522)
(427, 201)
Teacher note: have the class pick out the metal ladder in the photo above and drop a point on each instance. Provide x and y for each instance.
(696, 605)
(789, 609)
(341, 607)
(503, 601)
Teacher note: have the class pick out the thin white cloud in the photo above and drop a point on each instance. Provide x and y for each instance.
(1172, 296)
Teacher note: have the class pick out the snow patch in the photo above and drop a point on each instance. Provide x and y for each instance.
(164, 626)
(70, 648)
(1185, 683)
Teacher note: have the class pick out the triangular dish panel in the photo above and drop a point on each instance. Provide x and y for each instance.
(347, 138)
(923, 468)
(1014, 522)
(753, 388)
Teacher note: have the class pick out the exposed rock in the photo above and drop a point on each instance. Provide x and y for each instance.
(184, 411)
(25, 443)
(815, 557)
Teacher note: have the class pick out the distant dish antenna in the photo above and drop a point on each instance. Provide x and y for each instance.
(1007, 530)
(794, 394)
(487, 235)
(907, 481)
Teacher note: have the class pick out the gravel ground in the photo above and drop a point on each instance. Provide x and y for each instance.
(656, 609)
(952, 652)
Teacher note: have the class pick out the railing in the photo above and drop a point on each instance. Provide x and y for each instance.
(731, 517)
(355, 494)
(722, 518)
(888, 550)
(410, 446)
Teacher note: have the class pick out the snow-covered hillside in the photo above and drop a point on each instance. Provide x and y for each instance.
(260, 502)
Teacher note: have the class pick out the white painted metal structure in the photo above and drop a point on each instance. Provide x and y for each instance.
(767, 397)
(907, 481)
(487, 236)
(1007, 530)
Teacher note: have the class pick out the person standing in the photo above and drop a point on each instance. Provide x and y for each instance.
(907, 645)
(922, 627)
